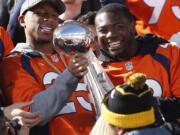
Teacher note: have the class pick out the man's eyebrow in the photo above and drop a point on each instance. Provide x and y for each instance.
(100, 27)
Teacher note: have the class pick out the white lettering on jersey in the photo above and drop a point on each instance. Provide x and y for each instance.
(70, 106)
(156, 87)
(81, 87)
(158, 6)
(165, 45)
(175, 39)
(49, 77)
(176, 11)
(84, 103)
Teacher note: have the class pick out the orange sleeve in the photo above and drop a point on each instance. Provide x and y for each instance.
(173, 54)
(17, 84)
(161, 16)
(175, 71)
(7, 42)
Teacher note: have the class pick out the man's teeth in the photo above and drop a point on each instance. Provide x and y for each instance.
(115, 43)
(46, 29)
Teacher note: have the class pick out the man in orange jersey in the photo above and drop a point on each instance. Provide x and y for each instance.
(35, 71)
(122, 53)
(6, 44)
(161, 16)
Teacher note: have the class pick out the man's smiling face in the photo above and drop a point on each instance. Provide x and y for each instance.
(40, 22)
(115, 33)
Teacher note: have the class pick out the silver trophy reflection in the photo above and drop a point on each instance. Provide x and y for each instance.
(73, 36)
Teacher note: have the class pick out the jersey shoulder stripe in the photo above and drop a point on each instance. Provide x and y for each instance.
(1, 49)
(25, 62)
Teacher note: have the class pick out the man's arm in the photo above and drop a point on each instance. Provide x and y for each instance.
(170, 105)
(55, 97)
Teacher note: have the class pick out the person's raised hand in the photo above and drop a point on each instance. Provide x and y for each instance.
(78, 65)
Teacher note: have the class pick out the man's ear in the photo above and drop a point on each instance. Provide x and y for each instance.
(21, 20)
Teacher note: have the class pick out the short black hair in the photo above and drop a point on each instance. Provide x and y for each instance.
(88, 19)
(117, 8)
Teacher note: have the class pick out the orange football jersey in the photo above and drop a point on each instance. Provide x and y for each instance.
(78, 115)
(162, 70)
(6, 44)
(163, 16)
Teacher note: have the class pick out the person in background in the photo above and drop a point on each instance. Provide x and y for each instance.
(77, 8)
(73, 9)
(122, 52)
(6, 44)
(13, 25)
(54, 81)
(156, 16)
(6, 7)
(128, 110)
(88, 19)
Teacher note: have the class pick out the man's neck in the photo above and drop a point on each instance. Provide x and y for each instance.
(71, 12)
(46, 48)
(133, 51)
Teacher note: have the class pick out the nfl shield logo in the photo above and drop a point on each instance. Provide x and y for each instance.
(129, 66)
(55, 58)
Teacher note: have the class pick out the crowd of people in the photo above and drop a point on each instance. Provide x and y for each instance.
(43, 91)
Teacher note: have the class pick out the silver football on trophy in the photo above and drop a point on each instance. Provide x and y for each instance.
(72, 36)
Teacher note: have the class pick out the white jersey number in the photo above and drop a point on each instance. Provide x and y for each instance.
(156, 87)
(70, 106)
(158, 6)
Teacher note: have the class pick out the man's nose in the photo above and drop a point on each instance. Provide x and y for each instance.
(45, 19)
(50, 19)
(109, 34)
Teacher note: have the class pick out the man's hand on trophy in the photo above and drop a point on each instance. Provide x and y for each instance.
(78, 65)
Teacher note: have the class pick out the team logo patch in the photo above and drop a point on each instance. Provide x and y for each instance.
(129, 66)
(54, 58)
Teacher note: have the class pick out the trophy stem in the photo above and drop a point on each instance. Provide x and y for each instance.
(98, 81)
